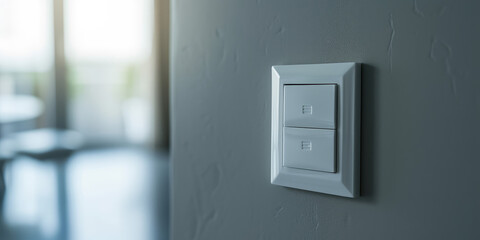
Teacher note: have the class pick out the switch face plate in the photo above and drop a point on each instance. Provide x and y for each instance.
(310, 149)
(292, 117)
(311, 106)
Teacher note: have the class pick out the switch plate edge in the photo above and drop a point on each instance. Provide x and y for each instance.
(346, 181)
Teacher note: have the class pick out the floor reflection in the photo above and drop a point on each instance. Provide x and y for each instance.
(110, 194)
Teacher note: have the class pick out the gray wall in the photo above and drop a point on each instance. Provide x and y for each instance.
(420, 118)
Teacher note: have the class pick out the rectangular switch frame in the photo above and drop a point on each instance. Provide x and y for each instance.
(345, 181)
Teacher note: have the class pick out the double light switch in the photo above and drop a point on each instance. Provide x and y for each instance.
(309, 127)
(315, 142)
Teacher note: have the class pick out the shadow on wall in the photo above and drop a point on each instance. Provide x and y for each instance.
(368, 134)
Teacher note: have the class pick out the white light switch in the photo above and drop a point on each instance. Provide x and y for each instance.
(315, 141)
(310, 149)
(311, 106)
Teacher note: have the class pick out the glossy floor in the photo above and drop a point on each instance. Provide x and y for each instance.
(116, 194)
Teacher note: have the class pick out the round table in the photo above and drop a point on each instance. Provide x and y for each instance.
(18, 108)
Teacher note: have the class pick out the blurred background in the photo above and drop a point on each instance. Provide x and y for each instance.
(84, 119)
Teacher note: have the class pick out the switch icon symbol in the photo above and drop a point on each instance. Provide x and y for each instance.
(307, 109)
(307, 145)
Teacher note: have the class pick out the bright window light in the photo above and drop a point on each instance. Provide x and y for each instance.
(106, 30)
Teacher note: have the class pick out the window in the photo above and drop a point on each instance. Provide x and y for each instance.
(108, 48)
(106, 83)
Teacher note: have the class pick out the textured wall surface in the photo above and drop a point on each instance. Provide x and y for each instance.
(420, 118)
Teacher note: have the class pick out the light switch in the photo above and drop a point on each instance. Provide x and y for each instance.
(315, 135)
(311, 106)
(310, 149)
